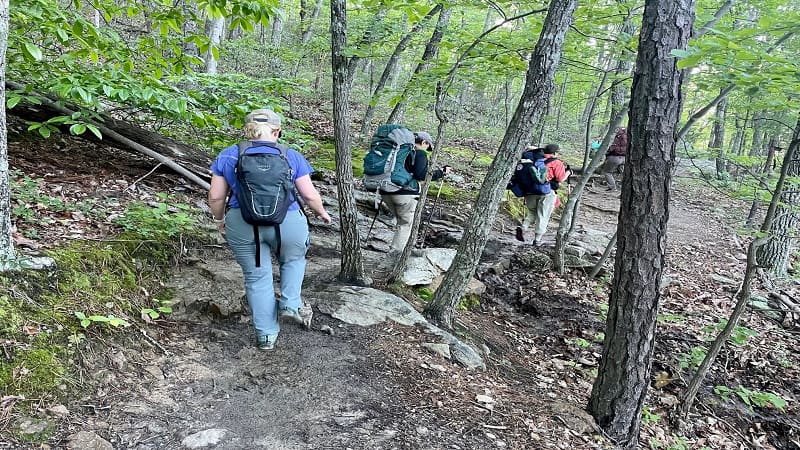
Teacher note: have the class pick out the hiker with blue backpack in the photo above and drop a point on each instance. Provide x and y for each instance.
(393, 167)
(537, 178)
(254, 203)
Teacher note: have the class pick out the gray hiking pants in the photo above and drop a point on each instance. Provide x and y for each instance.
(403, 207)
(610, 167)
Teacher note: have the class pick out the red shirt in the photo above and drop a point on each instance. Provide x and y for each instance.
(556, 170)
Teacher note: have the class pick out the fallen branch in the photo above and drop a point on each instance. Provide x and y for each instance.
(121, 139)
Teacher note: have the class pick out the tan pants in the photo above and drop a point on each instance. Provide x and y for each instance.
(540, 207)
(403, 207)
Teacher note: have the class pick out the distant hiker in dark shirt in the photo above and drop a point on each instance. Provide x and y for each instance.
(615, 157)
(403, 203)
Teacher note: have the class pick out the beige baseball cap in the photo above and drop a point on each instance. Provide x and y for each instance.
(264, 115)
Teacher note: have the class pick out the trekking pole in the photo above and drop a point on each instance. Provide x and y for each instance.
(377, 211)
(430, 216)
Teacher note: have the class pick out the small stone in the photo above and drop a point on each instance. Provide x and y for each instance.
(204, 438)
(32, 427)
(87, 440)
(439, 349)
(326, 329)
(58, 411)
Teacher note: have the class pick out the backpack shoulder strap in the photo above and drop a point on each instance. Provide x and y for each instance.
(243, 146)
(282, 148)
(549, 160)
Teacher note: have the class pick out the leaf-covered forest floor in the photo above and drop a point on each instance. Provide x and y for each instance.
(201, 381)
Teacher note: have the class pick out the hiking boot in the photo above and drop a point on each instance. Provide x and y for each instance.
(519, 235)
(293, 315)
(267, 341)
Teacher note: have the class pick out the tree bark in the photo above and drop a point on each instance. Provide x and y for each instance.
(717, 139)
(214, 29)
(758, 136)
(431, 50)
(307, 17)
(624, 373)
(7, 253)
(536, 94)
(352, 269)
(391, 65)
(774, 254)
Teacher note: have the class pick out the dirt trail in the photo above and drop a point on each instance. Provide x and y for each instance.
(376, 388)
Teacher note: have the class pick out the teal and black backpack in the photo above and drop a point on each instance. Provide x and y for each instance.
(530, 176)
(384, 163)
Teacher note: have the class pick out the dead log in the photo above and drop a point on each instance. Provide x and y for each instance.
(791, 307)
(185, 160)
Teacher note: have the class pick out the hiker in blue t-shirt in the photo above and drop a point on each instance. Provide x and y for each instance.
(263, 127)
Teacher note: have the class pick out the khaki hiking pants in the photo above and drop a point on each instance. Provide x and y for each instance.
(403, 207)
(540, 207)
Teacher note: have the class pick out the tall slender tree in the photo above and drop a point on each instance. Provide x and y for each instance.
(431, 50)
(536, 94)
(624, 373)
(352, 269)
(7, 254)
(391, 66)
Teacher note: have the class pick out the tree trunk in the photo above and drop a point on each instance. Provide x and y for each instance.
(567, 222)
(7, 254)
(352, 270)
(624, 373)
(717, 139)
(766, 172)
(214, 29)
(774, 255)
(536, 94)
(560, 109)
(589, 116)
(390, 68)
(276, 36)
(307, 17)
(431, 50)
(758, 136)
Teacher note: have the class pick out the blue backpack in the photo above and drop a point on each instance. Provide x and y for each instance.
(384, 163)
(266, 189)
(530, 176)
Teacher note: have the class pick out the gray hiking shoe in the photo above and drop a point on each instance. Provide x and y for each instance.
(289, 314)
(267, 341)
(301, 316)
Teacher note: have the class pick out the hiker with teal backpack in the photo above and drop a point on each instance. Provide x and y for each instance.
(536, 178)
(393, 167)
(263, 216)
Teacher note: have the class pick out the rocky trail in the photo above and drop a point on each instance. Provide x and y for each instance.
(364, 381)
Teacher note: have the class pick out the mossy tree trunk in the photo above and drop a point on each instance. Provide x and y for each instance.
(624, 373)
(536, 94)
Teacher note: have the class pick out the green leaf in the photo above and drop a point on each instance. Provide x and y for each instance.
(12, 101)
(33, 51)
(94, 130)
(77, 129)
